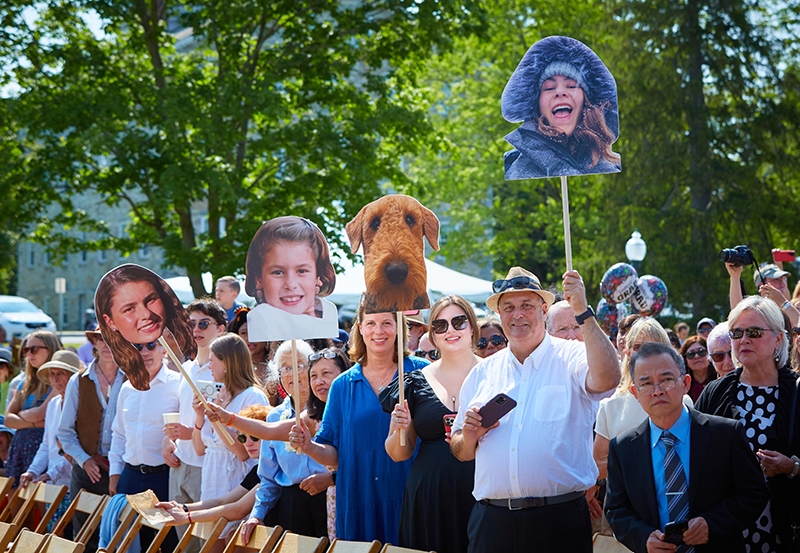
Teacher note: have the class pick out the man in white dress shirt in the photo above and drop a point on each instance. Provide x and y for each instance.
(135, 457)
(533, 466)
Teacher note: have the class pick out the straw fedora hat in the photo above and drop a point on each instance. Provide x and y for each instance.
(62, 359)
(517, 280)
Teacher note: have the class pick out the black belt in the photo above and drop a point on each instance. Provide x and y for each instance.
(531, 502)
(147, 469)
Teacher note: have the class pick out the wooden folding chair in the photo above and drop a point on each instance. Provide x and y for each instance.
(16, 499)
(263, 539)
(5, 495)
(126, 518)
(138, 523)
(42, 495)
(27, 542)
(8, 532)
(341, 546)
(90, 504)
(208, 532)
(55, 544)
(607, 544)
(389, 548)
(295, 543)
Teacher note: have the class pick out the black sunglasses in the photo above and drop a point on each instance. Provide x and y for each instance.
(326, 354)
(517, 283)
(150, 347)
(202, 325)
(433, 354)
(796, 330)
(752, 332)
(440, 326)
(495, 339)
(719, 356)
(702, 352)
(243, 438)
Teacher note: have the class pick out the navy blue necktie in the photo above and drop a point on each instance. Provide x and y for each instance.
(677, 487)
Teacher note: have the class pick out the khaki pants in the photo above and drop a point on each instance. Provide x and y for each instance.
(184, 487)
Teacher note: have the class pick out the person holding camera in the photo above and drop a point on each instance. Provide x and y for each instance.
(770, 280)
(680, 478)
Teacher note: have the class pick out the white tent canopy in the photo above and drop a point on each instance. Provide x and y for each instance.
(350, 285)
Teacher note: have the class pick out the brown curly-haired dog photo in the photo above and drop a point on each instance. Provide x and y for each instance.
(392, 230)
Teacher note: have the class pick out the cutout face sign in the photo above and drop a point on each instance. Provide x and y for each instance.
(289, 271)
(566, 99)
(391, 230)
(135, 307)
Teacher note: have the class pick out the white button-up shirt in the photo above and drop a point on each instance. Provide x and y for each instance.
(47, 459)
(543, 447)
(186, 452)
(139, 424)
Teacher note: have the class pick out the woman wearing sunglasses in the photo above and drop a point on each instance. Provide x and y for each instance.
(323, 368)
(224, 465)
(234, 505)
(695, 354)
(492, 339)
(761, 393)
(438, 497)
(26, 412)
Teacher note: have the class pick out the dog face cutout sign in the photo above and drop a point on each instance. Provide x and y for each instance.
(391, 230)
(289, 271)
(135, 307)
(566, 99)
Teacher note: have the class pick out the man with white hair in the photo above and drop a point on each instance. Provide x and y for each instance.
(561, 322)
(719, 349)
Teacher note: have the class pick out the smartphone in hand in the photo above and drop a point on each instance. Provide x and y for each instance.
(673, 531)
(782, 256)
(497, 408)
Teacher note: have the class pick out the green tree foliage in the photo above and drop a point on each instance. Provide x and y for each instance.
(248, 109)
(708, 110)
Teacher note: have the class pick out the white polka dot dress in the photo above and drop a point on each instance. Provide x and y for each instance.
(755, 407)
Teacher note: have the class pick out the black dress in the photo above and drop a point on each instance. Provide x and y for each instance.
(438, 497)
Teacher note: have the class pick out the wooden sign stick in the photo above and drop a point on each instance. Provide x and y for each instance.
(400, 377)
(567, 238)
(218, 425)
(296, 385)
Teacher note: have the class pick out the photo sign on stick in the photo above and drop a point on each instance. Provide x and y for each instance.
(566, 100)
(391, 231)
(289, 272)
(135, 307)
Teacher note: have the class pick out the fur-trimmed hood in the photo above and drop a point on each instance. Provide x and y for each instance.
(520, 100)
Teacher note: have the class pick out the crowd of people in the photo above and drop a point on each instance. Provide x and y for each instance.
(528, 426)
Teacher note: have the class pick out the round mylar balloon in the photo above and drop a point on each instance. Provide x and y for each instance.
(619, 283)
(650, 296)
(607, 316)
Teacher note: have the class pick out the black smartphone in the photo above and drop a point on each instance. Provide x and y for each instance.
(673, 531)
(497, 408)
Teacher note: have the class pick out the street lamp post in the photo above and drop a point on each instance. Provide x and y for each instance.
(635, 249)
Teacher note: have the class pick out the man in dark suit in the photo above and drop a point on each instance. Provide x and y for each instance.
(680, 465)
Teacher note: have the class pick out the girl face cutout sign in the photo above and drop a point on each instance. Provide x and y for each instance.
(289, 271)
(135, 307)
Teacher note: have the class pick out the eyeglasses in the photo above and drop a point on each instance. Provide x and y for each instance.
(440, 326)
(649, 389)
(495, 339)
(288, 370)
(433, 354)
(243, 438)
(752, 332)
(325, 354)
(31, 349)
(702, 352)
(202, 325)
(719, 356)
(796, 330)
(704, 329)
(150, 347)
(517, 283)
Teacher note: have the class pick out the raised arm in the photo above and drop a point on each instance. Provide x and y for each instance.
(600, 353)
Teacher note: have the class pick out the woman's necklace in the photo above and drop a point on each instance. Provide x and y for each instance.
(383, 383)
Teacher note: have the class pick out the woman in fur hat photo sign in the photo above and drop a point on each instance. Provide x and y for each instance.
(566, 99)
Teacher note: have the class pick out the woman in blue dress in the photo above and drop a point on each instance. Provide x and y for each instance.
(369, 485)
(29, 405)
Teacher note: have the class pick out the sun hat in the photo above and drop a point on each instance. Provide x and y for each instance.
(93, 335)
(517, 280)
(5, 356)
(62, 359)
(769, 271)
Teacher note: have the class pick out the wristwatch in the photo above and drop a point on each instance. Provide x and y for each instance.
(585, 315)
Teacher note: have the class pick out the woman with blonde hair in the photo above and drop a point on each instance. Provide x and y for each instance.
(26, 412)
(225, 465)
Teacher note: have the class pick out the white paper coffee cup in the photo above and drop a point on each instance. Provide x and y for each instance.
(172, 418)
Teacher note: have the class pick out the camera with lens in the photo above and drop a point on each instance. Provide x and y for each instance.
(738, 256)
